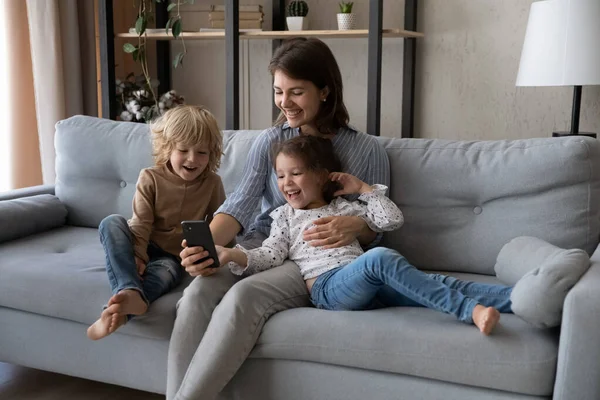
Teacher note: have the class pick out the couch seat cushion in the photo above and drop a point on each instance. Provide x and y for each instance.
(419, 342)
(61, 273)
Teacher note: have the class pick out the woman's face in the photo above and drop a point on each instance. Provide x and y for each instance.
(299, 100)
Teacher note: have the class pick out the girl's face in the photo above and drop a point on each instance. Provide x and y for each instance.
(302, 188)
(299, 100)
(189, 162)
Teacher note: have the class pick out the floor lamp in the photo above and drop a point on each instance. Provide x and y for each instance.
(562, 48)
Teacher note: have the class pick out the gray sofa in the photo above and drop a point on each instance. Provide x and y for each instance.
(462, 202)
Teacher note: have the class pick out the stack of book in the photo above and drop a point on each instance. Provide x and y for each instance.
(250, 16)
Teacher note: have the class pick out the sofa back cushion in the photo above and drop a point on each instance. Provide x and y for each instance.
(98, 162)
(462, 201)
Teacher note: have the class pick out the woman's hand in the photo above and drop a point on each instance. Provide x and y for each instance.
(189, 255)
(350, 184)
(332, 232)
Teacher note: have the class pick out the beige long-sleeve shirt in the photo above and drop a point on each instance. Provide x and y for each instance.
(163, 199)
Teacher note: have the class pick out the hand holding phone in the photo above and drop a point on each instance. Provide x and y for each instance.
(197, 233)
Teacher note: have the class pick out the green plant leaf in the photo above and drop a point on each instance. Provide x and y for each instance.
(129, 48)
(168, 25)
(178, 60)
(177, 28)
(140, 25)
(171, 6)
(135, 55)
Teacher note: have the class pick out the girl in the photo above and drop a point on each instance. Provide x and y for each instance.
(142, 254)
(346, 278)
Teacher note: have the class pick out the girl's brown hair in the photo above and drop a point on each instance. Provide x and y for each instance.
(188, 126)
(316, 154)
(311, 60)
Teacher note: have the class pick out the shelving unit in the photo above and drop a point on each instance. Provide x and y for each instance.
(357, 33)
(232, 36)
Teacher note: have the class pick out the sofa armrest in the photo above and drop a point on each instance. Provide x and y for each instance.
(27, 192)
(25, 216)
(578, 369)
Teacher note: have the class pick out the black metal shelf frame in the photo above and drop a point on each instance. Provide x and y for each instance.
(232, 96)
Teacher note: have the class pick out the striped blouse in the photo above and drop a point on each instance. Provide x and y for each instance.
(360, 154)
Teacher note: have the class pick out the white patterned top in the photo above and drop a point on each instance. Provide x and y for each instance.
(286, 241)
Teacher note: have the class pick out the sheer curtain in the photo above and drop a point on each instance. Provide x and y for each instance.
(49, 76)
(5, 181)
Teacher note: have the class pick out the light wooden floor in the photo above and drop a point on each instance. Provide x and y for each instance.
(19, 383)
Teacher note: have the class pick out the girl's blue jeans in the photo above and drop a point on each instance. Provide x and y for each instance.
(384, 278)
(163, 271)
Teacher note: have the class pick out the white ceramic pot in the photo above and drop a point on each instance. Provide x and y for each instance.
(296, 23)
(346, 21)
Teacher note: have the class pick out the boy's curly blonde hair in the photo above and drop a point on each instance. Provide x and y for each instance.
(189, 126)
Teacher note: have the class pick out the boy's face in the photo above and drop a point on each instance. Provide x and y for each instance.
(302, 188)
(189, 162)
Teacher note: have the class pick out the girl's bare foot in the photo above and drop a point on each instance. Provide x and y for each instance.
(130, 302)
(485, 318)
(101, 328)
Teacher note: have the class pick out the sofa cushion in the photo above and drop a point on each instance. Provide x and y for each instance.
(462, 201)
(61, 273)
(418, 342)
(28, 215)
(98, 162)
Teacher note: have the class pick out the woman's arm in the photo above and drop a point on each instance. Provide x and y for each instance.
(243, 202)
(224, 228)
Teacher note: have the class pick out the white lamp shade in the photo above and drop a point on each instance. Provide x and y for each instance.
(562, 44)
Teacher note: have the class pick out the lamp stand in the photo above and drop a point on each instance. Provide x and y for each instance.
(575, 117)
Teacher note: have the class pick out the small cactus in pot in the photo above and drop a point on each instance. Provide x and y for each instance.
(345, 18)
(296, 19)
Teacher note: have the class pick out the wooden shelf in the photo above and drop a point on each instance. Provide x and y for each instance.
(355, 33)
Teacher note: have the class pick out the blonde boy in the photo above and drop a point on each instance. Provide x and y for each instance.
(142, 259)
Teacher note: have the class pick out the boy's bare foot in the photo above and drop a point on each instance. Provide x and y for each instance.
(130, 302)
(102, 327)
(117, 320)
(485, 318)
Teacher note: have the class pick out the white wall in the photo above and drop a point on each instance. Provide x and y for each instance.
(466, 70)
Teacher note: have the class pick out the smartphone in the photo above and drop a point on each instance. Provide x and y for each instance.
(197, 233)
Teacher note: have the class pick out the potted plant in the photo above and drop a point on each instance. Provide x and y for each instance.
(296, 19)
(345, 17)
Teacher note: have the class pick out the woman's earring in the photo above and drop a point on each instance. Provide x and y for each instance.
(324, 100)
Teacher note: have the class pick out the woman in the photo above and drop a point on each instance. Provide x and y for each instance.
(308, 90)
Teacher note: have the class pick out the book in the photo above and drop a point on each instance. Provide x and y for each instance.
(243, 24)
(243, 15)
(241, 7)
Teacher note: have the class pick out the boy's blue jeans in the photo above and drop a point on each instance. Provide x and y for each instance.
(384, 278)
(163, 271)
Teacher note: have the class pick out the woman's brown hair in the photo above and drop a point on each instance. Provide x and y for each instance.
(316, 154)
(311, 60)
